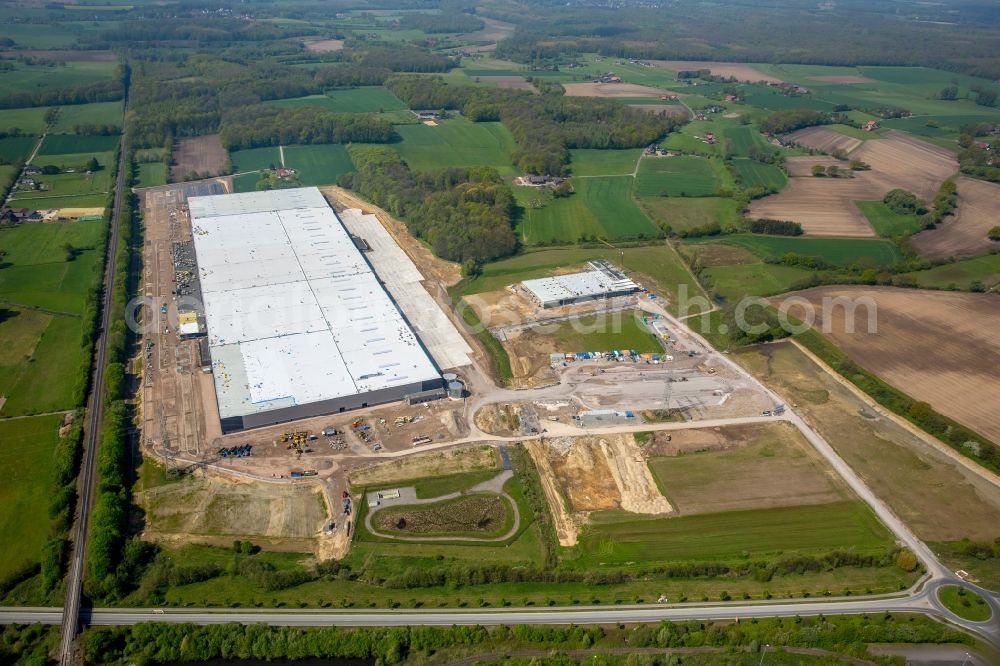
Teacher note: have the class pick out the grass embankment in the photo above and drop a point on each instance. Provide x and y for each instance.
(498, 358)
(964, 603)
(604, 332)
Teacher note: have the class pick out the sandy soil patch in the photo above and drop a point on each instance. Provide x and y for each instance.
(321, 45)
(213, 505)
(438, 463)
(843, 79)
(78, 212)
(201, 154)
(964, 234)
(741, 467)
(823, 206)
(512, 82)
(498, 419)
(824, 139)
(567, 531)
(740, 71)
(940, 348)
(611, 90)
(675, 110)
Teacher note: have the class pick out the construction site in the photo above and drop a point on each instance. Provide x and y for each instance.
(236, 390)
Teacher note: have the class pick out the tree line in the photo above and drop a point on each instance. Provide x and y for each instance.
(465, 215)
(99, 91)
(262, 125)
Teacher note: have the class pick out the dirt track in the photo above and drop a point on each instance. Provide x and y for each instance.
(965, 233)
(937, 347)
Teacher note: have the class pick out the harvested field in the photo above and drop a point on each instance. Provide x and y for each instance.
(480, 514)
(826, 140)
(738, 70)
(452, 461)
(661, 109)
(900, 160)
(741, 467)
(965, 234)
(940, 348)
(68, 213)
(801, 165)
(611, 90)
(825, 206)
(940, 499)
(202, 154)
(512, 82)
(843, 79)
(321, 45)
(224, 507)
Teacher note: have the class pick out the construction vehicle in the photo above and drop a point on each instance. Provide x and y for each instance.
(417, 441)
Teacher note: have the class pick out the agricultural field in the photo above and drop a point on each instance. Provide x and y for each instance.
(589, 162)
(612, 90)
(368, 99)
(936, 347)
(938, 498)
(64, 144)
(962, 274)
(841, 251)
(246, 182)
(600, 207)
(15, 148)
(758, 174)
(29, 121)
(255, 159)
(742, 72)
(152, 174)
(825, 139)
(318, 164)
(733, 272)
(53, 74)
(677, 176)
(739, 467)
(456, 142)
(887, 222)
(68, 190)
(682, 214)
(44, 296)
(600, 333)
(742, 138)
(200, 155)
(965, 233)
(98, 113)
(26, 449)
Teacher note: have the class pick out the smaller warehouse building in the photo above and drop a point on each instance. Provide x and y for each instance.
(602, 281)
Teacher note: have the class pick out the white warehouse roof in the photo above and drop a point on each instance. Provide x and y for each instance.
(295, 314)
(578, 286)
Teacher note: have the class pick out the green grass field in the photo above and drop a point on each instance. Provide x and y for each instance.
(599, 208)
(152, 174)
(964, 603)
(98, 113)
(456, 142)
(255, 159)
(984, 269)
(733, 282)
(26, 448)
(617, 330)
(65, 185)
(619, 538)
(33, 78)
(588, 162)
(29, 121)
(245, 183)
(742, 138)
(62, 144)
(758, 174)
(318, 164)
(16, 148)
(888, 223)
(841, 251)
(685, 213)
(677, 176)
(369, 99)
(76, 161)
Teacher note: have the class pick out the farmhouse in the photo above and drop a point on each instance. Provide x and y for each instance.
(602, 281)
(19, 215)
(869, 126)
(298, 323)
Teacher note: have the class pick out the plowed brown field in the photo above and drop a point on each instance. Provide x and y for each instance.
(937, 347)
(824, 139)
(965, 233)
(202, 154)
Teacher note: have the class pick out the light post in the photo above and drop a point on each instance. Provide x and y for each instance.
(764, 651)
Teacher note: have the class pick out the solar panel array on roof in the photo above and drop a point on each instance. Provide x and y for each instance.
(295, 314)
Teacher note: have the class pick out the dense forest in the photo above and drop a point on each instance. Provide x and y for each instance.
(261, 125)
(464, 214)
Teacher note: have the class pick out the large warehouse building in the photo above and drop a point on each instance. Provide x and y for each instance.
(298, 323)
(602, 281)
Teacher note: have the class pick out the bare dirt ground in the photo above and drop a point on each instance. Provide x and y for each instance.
(938, 498)
(741, 467)
(205, 504)
(825, 206)
(78, 212)
(662, 109)
(512, 82)
(801, 165)
(202, 154)
(452, 461)
(611, 90)
(567, 531)
(965, 233)
(843, 79)
(322, 45)
(940, 348)
(735, 69)
(824, 139)
(498, 419)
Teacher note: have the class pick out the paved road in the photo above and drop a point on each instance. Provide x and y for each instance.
(92, 428)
